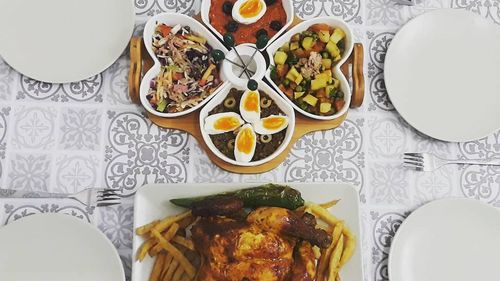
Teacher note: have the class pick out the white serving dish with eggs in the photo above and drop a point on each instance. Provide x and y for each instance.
(287, 6)
(173, 19)
(337, 73)
(283, 105)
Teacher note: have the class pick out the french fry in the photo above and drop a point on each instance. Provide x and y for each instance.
(144, 249)
(146, 228)
(326, 255)
(323, 214)
(349, 246)
(166, 222)
(157, 268)
(333, 269)
(168, 263)
(337, 278)
(173, 267)
(188, 243)
(184, 262)
(168, 236)
(178, 273)
(329, 204)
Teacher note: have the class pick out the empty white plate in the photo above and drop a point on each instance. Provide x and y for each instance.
(451, 239)
(57, 247)
(64, 40)
(441, 74)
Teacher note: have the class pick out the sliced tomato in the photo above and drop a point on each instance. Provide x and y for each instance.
(164, 29)
(338, 104)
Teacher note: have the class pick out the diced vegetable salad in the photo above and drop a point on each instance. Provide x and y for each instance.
(188, 74)
(303, 69)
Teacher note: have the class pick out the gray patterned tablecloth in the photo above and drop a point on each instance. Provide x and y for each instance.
(64, 138)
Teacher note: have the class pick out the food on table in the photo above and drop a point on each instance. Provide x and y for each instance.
(247, 19)
(304, 66)
(248, 11)
(187, 75)
(218, 239)
(259, 138)
(223, 122)
(264, 195)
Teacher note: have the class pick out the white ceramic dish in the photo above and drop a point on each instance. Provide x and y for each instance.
(57, 247)
(60, 41)
(173, 19)
(450, 239)
(287, 6)
(344, 84)
(245, 51)
(152, 202)
(441, 74)
(284, 106)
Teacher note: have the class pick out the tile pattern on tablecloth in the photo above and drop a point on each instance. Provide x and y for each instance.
(68, 137)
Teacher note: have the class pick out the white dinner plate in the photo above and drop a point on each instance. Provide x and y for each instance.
(152, 202)
(57, 247)
(64, 40)
(441, 74)
(450, 239)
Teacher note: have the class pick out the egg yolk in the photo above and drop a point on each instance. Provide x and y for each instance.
(250, 8)
(226, 123)
(252, 102)
(273, 122)
(245, 141)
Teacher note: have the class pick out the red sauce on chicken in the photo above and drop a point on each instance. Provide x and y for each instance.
(247, 33)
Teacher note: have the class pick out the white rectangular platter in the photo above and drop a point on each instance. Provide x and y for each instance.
(152, 202)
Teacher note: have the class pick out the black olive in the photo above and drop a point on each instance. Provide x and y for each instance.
(227, 7)
(270, 2)
(261, 32)
(276, 25)
(232, 26)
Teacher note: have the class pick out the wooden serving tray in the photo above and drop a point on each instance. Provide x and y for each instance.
(141, 62)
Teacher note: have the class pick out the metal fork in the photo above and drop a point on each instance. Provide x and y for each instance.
(99, 197)
(428, 162)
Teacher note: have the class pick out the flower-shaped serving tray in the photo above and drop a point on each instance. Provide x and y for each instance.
(141, 62)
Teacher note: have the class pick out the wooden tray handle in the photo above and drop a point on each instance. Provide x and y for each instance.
(135, 71)
(358, 76)
(353, 69)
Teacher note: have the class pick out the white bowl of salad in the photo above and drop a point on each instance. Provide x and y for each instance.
(305, 67)
(184, 76)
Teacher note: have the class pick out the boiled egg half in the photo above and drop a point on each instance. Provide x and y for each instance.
(244, 145)
(250, 106)
(222, 122)
(248, 11)
(271, 124)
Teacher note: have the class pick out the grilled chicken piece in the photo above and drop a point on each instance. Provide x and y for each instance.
(221, 205)
(235, 250)
(286, 222)
(304, 268)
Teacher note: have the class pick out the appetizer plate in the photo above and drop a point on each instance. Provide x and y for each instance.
(61, 41)
(287, 6)
(173, 19)
(152, 202)
(450, 239)
(337, 73)
(441, 74)
(57, 247)
(284, 106)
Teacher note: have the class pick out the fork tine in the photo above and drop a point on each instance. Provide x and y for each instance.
(414, 167)
(414, 163)
(107, 198)
(104, 204)
(413, 159)
(418, 155)
(107, 192)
